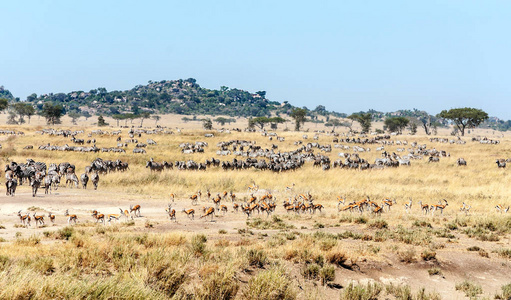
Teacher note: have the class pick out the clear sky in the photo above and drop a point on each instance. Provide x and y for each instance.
(346, 55)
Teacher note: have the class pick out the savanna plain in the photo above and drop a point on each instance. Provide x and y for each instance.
(332, 253)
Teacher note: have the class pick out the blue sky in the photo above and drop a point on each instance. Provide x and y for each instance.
(346, 55)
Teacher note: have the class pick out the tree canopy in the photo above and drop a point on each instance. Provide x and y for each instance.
(262, 121)
(299, 115)
(464, 117)
(52, 113)
(396, 124)
(364, 119)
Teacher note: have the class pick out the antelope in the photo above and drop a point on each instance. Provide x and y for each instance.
(111, 217)
(253, 188)
(439, 206)
(70, 217)
(233, 196)
(252, 199)
(318, 207)
(99, 217)
(341, 201)
(172, 196)
(38, 219)
(208, 194)
(408, 206)
(501, 208)
(136, 210)
(424, 207)
(465, 208)
(195, 198)
(52, 217)
(171, 212)
(223, 208)
(225, 194)
(189, 212)
(217, 200)
(24, 218)
(209, 212)
(388, 203)
(290, 188)
(235, 207)
(126, 214)
(378, 210)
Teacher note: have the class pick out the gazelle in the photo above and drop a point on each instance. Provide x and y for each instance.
(172, 196)
(439, 206)
(252, 199)
(235, 207)
(501, 208)
(253, 188)
(290, 188)
(209, 212)
(217, 200)
(465, 208)
(223, 209)
(98, 216)
(233, 196)
(136, 210)
(171, 212)
(113, 217)
(424, 207)
(38, 219)
(70, 218)
(190, 213)
(388, 203)
(126, 214)
(195, 198)
(24, 218)
(408, 206)
(52, 217)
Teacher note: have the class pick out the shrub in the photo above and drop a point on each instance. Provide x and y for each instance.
(407, 256)
(222, 231)
(219, 285)
(370, 291)
(311, 271)
(506, 292)
(470, 289)
(326, 274)
(434, 271)
(198, 244)
(428, 255)
(256, 258)
(64, 233)
(272, 284)
(379, 224)
(336, 257)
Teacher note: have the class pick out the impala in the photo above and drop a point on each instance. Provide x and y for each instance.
(70, 217)
(209, 212)
(136, 210)
(190, 213)
(171, 212)
(52, 217)
(38, 219)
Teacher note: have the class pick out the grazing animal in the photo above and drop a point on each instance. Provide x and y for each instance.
(171, 212)
(438, 206)
(24, 218)
(113, 217)
(95, 180)
(38, 219)
(501, 208)
(501, 163)
(223, 208)
(465, 208)
(84, 179)
(52, 217)
(408, 206)
(136, 210)
(47, 184)
(190, 213)
(98, 216)
(35, 184)
(209, 212)
(71, 178)
(424, 207)
(461, 162)
(70, 218)
(126, 214)
(11, 185)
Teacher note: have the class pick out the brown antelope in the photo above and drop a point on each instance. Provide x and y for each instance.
(38, 219)
(113, 217)
(378, 210)
(223, 209)
(224, 194)
(195, 199)
(290, 187)
(217, 200)
(317, 207)
(465, 208)
(190, 213)
(70, 217)
(408, 206)
(172, 196)
(52, 217)
(235, 207)
(253, 188)
(24, 218)
(388, 203)
(233, 196)
(209, 212)
(126, 214)
(136, 210)
(208, 194)
(438, 206)
(171, 212)
(252, 199)
(501, 208)
(99, 217)
(424, 207)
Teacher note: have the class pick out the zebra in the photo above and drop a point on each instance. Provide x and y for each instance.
(35, 184)
(84, 179)
(71, 178)
(95, 180)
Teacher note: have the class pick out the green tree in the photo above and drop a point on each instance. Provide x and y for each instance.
(101, 121)
(396, 124)
(298, 114)
(52, 113)
(207, 124)
(334, 123)
(74, 116)
(156, 119)
(23, 109)
(4, 103)
(142, 116)
(464, 117)
(364, 119)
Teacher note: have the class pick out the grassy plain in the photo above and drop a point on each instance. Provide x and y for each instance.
(285, 256)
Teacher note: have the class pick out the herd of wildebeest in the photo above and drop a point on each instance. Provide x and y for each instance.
(247, 155)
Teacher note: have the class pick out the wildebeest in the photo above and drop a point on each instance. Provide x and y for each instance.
(501, 163)
(433, 159)
(461, 162)
(154, 166)
(84, 179)
(95, 180)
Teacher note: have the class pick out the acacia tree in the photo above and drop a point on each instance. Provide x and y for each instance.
(464, 117)
(52, 113)
(299, 115)
(364, 119)
(396, 124)
(4, 103)
(156, 119)
(335, 123)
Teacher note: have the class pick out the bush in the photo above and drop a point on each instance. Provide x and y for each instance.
(506, 292)
(256, 258)
(326, 274)
(470, 289)
(198, 244)
(434, 271)
(272, 284)
(379, 224)
(219, 285)
(428, 255)
(407, 256)
(370, 291)
(311, 271)
(64, 233)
